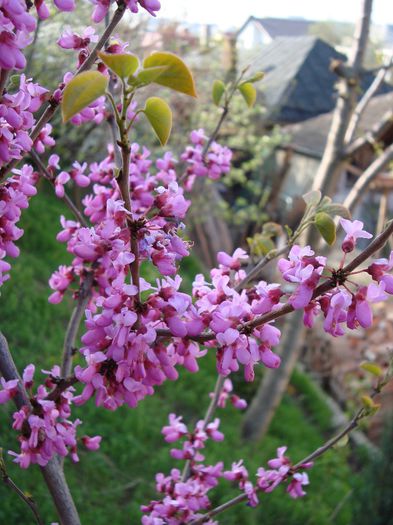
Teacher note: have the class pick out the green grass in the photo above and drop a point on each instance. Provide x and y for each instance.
(109, 485)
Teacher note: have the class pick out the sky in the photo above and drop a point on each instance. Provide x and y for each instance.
(232, 13)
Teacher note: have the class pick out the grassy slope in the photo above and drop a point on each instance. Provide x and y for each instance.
(112, 483)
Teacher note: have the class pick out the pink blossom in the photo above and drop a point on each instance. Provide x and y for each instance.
(354, 230)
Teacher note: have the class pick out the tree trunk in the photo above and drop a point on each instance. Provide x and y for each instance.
(332, 160)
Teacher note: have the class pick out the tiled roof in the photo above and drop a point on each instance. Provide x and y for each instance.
(277, 27)
(298, 83)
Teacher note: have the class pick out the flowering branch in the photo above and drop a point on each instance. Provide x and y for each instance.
(52, 472)
(13, 486)
(360, 414)
(53, 103)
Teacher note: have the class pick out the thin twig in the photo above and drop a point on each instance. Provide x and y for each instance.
(208, 416)
(328, 285)
(358, 190)
(255, 271)
(360, 414)
(365, 100)
(13, 486)
(74, 323)
(45, 173)
(4, 74)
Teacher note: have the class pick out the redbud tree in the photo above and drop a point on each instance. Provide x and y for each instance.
(138, 334)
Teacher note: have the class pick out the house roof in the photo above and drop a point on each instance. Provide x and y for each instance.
(277, 27)
(309, 137)
(298, 83)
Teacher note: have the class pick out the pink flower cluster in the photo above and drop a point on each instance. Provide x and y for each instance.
(16, 120)
(226, 393)
(281, 470)
(341, 306)
(187, 495)
(14, 197)
(213, 165)
(102, 7)
(16, 24)
(44, 425)
(224, 310)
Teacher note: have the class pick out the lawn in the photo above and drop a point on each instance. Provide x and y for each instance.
(110, 485)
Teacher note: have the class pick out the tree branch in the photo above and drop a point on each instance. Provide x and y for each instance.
(208, 416)
(54, 104)
(52, 472)
(13, 486)
(358, 190)
(74, 323)
(360, 414)
(329, 168)
(370, 137)
(45, 173)
(372, 248)
(364, 101)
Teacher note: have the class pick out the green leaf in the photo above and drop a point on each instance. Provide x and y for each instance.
(124, 64)
(177, 75)
(159, 114)
(81, 91)
(326, 227)
(312, 198)
(218, 91)
(288, 231)
(151, 74)
(373, 368)
(249, 93)
(337, 209)
(256, 77)
(370, 406)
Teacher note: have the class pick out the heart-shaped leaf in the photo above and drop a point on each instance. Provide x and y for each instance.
(177, 75)
(249, 93)
(81, 91)
(123, 64)
(218, 91)
(159, 114)
(326, 227)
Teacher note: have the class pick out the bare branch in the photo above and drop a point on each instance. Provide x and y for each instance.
(208, 416)
(358, 190)
(364, 101)
(13, 486)
(329, 168)
(74, 323)
(370, 137)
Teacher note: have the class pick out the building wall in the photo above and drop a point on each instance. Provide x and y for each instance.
(252, 37)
